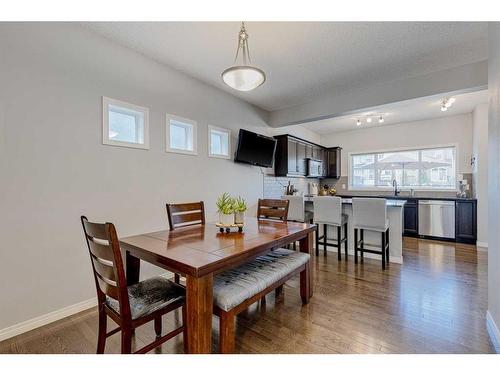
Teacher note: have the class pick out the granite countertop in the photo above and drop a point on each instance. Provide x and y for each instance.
(348, 200)
(405, 197)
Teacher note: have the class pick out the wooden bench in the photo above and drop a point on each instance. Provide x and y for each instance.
(236, 289)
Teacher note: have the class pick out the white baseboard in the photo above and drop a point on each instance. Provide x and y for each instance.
(493, 331)
(392, 259)
(51, 317)
(42, 320)
(482, 244)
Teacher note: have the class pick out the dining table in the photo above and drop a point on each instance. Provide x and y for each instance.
(199, 252)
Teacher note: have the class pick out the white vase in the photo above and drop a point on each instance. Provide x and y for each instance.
(226, 219)
(239, 217)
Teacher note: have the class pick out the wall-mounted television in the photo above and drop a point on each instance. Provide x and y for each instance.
(255, 149)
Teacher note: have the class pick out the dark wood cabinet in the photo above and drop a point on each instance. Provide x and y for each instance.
(333, 162)
(466, 221)
(411, 218)
(292, 154)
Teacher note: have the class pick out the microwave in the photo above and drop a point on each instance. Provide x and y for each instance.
(314, 168)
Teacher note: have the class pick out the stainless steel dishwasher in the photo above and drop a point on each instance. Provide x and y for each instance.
(436, 218)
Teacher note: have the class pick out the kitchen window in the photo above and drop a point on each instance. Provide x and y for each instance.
(124, 124)
(219, 142)
(181, 135)
(419, 169)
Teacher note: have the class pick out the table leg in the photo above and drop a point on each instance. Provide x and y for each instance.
(306, 246)
(133, 265)
(199, 302)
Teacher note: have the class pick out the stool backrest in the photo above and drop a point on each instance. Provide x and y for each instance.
(369, 212)
(328, 210)
(276, 209)
(296, 208)
(107, 264)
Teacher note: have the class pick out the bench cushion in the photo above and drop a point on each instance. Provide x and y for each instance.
(149, 295)
(234, 286)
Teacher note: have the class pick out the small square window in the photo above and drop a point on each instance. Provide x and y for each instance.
(124, 124)
(181, 135)
(219, 142)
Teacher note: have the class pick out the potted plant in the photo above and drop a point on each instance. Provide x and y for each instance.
(225, 208)
(240, 206)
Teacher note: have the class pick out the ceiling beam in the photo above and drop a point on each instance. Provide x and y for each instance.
(465, 78)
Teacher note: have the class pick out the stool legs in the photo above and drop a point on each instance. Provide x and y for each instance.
(339, 242)
(346, 240)
(387, 244)
(317, 239)
(324, 237)
(362, 247)
(356, 245)
(383, 250)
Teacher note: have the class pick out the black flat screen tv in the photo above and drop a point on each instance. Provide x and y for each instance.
(255, 149)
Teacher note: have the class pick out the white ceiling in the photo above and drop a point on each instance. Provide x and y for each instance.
(406, 111)
(304, 60)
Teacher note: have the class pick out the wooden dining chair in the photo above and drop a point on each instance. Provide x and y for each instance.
(274, 209)
(181, 215)
(129, 306)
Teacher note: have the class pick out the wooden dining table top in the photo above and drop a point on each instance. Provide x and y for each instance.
(201, 249)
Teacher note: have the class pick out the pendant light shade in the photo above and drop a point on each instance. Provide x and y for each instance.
(243, 76)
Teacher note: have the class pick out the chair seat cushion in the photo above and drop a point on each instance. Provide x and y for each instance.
(375, 229)
(234, 286)
(149, 295)
(344, 218)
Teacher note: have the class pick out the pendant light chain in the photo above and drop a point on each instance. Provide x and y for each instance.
(243, 45)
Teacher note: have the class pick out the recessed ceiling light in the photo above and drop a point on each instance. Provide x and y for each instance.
(368, 119)
(380, 119)
(358, 122)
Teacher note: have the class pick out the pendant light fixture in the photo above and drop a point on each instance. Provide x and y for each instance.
(242, 76)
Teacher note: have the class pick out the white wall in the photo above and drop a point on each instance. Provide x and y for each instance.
(54, 167)
(494, 181)
(480, 169)
(447, 130)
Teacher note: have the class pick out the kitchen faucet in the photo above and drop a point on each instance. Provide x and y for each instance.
(395, 185)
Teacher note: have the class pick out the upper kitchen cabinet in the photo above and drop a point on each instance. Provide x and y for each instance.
(333, 157)
(292, 155)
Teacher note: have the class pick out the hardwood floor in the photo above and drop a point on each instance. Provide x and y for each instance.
(434, 303)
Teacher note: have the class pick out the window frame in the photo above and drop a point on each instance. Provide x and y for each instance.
(221, 130)
(454, 188)
(106, 140)
(194, 124)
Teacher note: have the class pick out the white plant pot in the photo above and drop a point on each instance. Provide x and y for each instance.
(239, 217)
(226, 219)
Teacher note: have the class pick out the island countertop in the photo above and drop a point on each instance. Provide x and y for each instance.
(389, 202)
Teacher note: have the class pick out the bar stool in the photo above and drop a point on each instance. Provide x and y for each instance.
(370, 214)
(297, 211)
(328, 211)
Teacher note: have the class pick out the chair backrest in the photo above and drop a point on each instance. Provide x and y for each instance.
(276, 209)
(328, 210)
(296, 208)
(107, 263)
(369, 212)
(185, 214)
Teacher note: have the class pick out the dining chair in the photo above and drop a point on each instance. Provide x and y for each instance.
(370, 214)
(182, 215)
(274, 209)
(129, 306)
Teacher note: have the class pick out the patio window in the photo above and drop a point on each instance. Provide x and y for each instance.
(419, 169)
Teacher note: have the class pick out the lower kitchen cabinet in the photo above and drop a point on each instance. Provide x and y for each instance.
(411, 218)
(466, 221)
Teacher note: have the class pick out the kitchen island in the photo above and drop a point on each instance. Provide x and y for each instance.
(395, 211)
